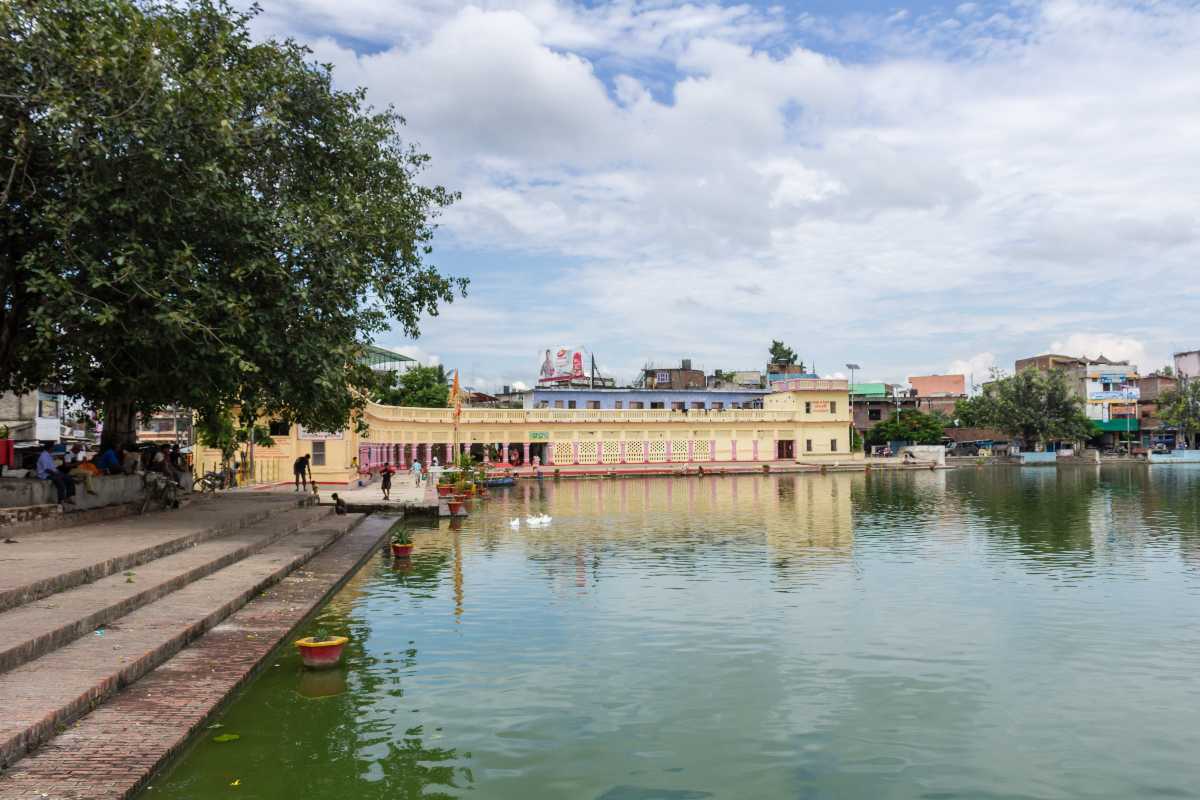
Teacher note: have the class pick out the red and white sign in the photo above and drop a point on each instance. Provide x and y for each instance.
(562, 364)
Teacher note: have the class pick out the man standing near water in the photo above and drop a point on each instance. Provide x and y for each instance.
(386, 485)
(416, 472)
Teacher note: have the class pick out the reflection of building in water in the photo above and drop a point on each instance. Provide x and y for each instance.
(810, 513)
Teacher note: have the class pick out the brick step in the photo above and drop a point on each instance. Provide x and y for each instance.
(43, 563)
(49, 693)
(36, 628)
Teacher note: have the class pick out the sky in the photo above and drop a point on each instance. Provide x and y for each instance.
(914, 187)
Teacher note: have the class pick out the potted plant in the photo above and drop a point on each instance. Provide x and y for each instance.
(321, 650)
(402, 544)
(455, 503)
(445, 486)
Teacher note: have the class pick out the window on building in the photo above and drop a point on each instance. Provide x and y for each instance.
(619, 404)
(280, 428)
(833, 445)
(593, 404)
(558, 404)
(874, 413)
(808, 445)
(718, 405)
(807, 407)
(657, 405)
(318, 454)
(833, 406)
(698, 406)
(570, 404)
(638, 404)
(543, 404)
(677, 406)
(735, 405)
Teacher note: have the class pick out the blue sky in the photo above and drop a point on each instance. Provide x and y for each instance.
(914, 187)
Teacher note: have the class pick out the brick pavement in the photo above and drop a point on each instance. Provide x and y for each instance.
(115, 750)
(37, 627)
(43, 695)
(44, 562)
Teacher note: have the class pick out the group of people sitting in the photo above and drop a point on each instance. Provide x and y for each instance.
(77, 467)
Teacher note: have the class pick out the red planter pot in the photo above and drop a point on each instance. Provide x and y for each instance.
(402, 550)
(321, 654)
(445, 490)
(456, 506)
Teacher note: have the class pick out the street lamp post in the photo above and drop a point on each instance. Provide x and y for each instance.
(853, 368)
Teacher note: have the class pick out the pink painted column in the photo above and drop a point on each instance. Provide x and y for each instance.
(621, 449)
(428, 455)
(574, 452)
(690, 459)
(549, 452)
(712, 449)
(526, 462)
(733, 449)
(504, 453)
(774, 450)
(754, 450)
(646, 451)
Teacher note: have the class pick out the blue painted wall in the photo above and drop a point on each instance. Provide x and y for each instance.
(609, 397)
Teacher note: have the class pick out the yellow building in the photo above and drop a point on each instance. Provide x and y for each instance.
(808, 421)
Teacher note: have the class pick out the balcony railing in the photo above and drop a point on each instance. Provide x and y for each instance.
(475, 416)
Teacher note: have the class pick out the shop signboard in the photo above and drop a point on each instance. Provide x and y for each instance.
(561, 364)
(1128, 393)
(539, 436)
(318, 436)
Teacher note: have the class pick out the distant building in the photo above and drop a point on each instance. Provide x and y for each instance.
(1109, 390)
(877, 402)
(1152, 429)
(381, 359)
(682, 377)
(1187, 364)
(170, 426)
(939, 385)
(742, 379)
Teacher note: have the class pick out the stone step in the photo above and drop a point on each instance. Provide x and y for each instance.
(40, 564)
(36, 628)
(45, 695)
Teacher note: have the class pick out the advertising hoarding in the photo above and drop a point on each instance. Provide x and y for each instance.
(561, 364)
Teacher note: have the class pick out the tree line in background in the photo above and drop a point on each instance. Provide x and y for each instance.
(193, 218)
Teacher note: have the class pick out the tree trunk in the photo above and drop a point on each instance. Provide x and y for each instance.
(120, 424)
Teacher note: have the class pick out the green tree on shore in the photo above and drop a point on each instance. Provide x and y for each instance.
(1037, 406)
(1181, 409)
(916, 427)
(189, 217)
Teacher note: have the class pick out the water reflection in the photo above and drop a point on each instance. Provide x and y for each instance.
(961, 634)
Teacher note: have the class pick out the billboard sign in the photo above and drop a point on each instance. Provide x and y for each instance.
(1128, 393)
(561, 364)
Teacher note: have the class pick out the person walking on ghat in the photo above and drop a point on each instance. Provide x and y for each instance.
(386, 485)
(416, 471)
(302, 471)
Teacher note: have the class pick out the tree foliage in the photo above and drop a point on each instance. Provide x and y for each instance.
(419, 387)
(782, 354)
(1035, 405)
(916, 427)
(1181, 408)
(190, 217)
(218, 431)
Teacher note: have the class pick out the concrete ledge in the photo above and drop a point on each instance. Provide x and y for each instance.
(115, 751)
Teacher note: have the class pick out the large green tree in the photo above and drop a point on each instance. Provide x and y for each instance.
(909, 426)
(1038, 406)
(419, 387)
(1181, 408)
(191, 217)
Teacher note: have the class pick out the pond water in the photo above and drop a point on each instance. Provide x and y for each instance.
(977, 633)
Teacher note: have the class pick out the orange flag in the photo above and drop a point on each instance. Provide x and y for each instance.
(456, 397)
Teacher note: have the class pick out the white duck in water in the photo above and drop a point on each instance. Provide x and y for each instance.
(514, 523)
(538, 521)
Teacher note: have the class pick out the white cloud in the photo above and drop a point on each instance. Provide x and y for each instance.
(977, 368)
(1112, 347)
(982, 189)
